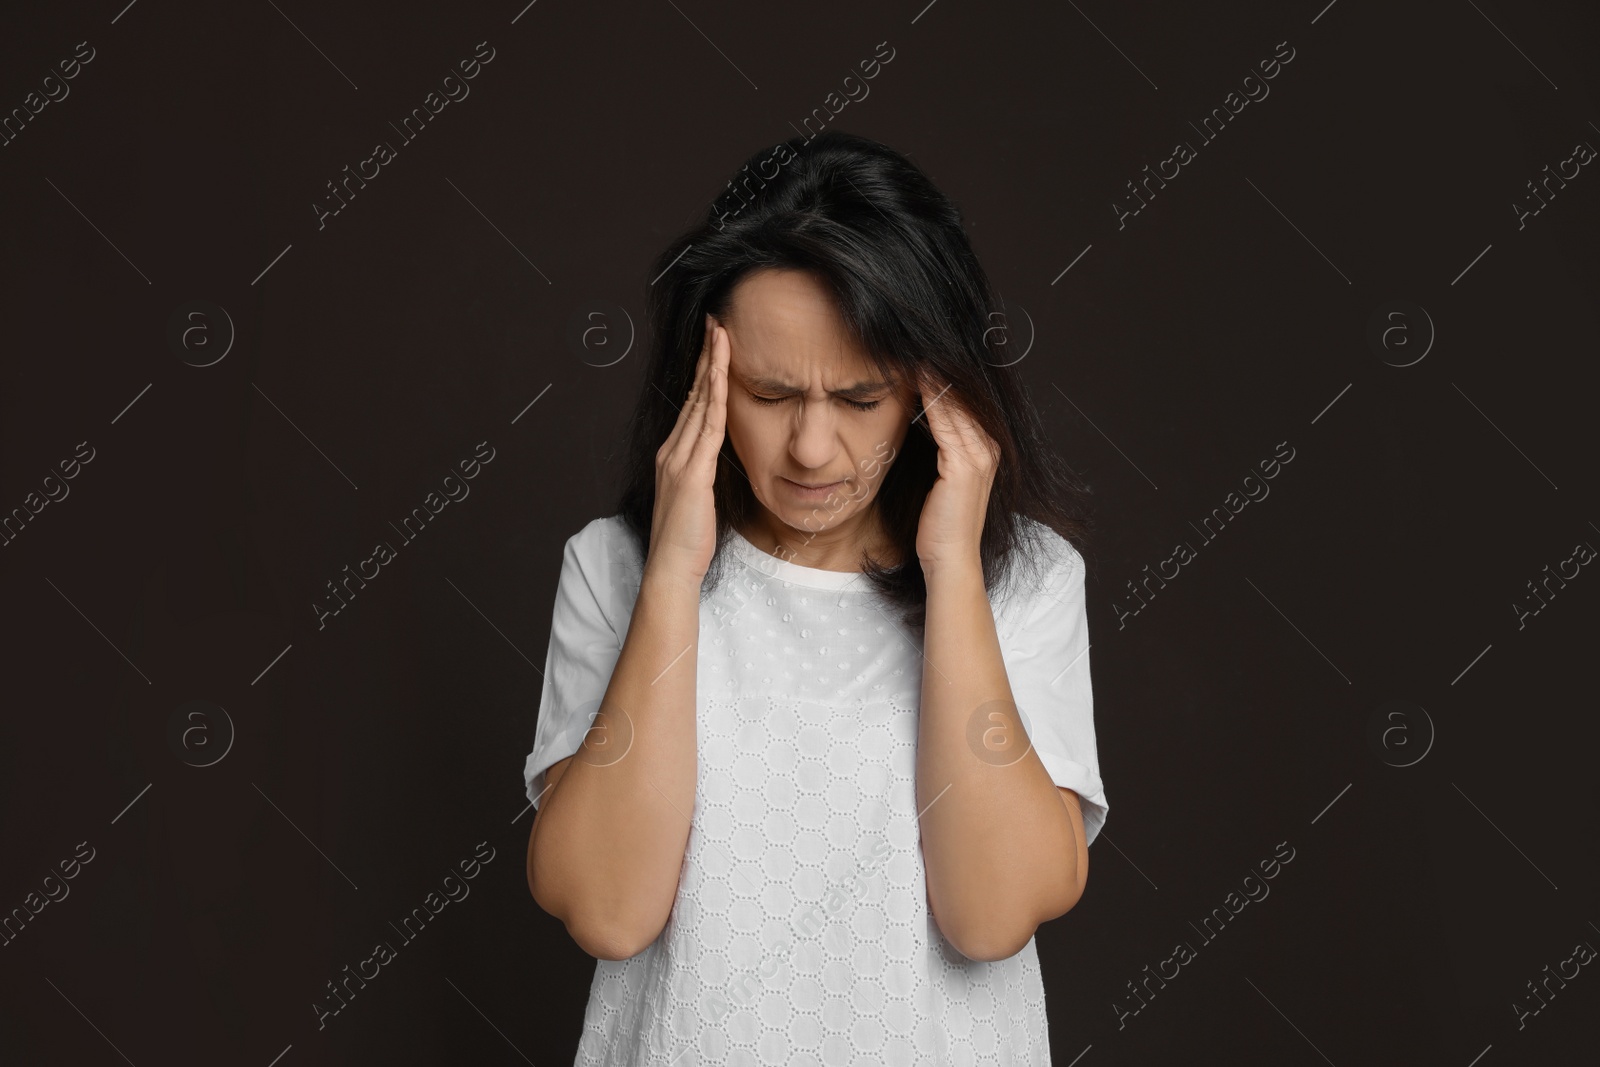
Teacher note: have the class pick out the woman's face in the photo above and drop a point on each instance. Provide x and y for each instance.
(806, 405)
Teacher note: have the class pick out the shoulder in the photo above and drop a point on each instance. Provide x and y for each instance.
(1058, 553)
(604, 555)
(593, 540)
(602, 540)
(1044, 560)
(1045, 569)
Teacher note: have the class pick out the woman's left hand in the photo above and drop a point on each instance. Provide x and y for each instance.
(951, 525)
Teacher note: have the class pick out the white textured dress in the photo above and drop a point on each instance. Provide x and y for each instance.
(801, 933)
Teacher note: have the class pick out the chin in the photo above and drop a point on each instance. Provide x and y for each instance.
(810, 516)
(824, 518)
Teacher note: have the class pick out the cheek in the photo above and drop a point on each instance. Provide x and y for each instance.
(885, 435)
(859, 489)
(750, 435)
(734, 433)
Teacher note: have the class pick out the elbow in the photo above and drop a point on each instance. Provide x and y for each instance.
(606, 942)
(545, 885)
(1068, 888)
(595, 927)
(615, 931)
(989, 946)
(985, 937)
(1065, 901)
(535, 883)
(600, 938)
(985, 941)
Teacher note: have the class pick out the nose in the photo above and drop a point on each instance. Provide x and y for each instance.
(812, 439)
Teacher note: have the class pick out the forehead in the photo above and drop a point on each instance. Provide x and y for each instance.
(786, 324)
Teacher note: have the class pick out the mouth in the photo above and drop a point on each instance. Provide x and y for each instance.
(814, 486)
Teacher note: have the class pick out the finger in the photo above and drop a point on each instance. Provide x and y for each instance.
(694, 411)
(960, 433)
(716, 410)
(702, 362)
(933, 410)
(671, 443)
(944, 419)
(928, 392)
(686, 411)
(973, 436)
(700, 418)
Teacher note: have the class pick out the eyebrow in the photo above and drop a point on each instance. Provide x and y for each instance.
(773, 385)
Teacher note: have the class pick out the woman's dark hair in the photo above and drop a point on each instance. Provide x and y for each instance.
(891, 249)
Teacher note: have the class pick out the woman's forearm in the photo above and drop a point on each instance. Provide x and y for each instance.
(609, 843)
(999, 846)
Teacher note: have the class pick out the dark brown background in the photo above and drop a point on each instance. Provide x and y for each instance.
(1175, 354)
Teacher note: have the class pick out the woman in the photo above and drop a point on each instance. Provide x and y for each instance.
(815, 750)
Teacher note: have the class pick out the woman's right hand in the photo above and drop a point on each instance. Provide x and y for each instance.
(683, 526)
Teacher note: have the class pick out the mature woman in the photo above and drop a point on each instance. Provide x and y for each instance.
(815, 752)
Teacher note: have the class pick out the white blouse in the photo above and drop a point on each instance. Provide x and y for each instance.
(801, 932)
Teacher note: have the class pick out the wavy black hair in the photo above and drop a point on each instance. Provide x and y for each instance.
(890, 247)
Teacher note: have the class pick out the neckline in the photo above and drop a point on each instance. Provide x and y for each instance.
(770, 566)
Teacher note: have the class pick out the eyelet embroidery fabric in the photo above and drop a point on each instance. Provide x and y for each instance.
(801, 932)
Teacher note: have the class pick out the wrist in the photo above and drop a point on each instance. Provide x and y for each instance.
(672, 581)
(964, 570)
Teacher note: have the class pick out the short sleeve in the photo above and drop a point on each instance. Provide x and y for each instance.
(1046, 652)
(594, 597)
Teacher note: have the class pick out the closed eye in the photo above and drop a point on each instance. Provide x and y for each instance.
(859, 405)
